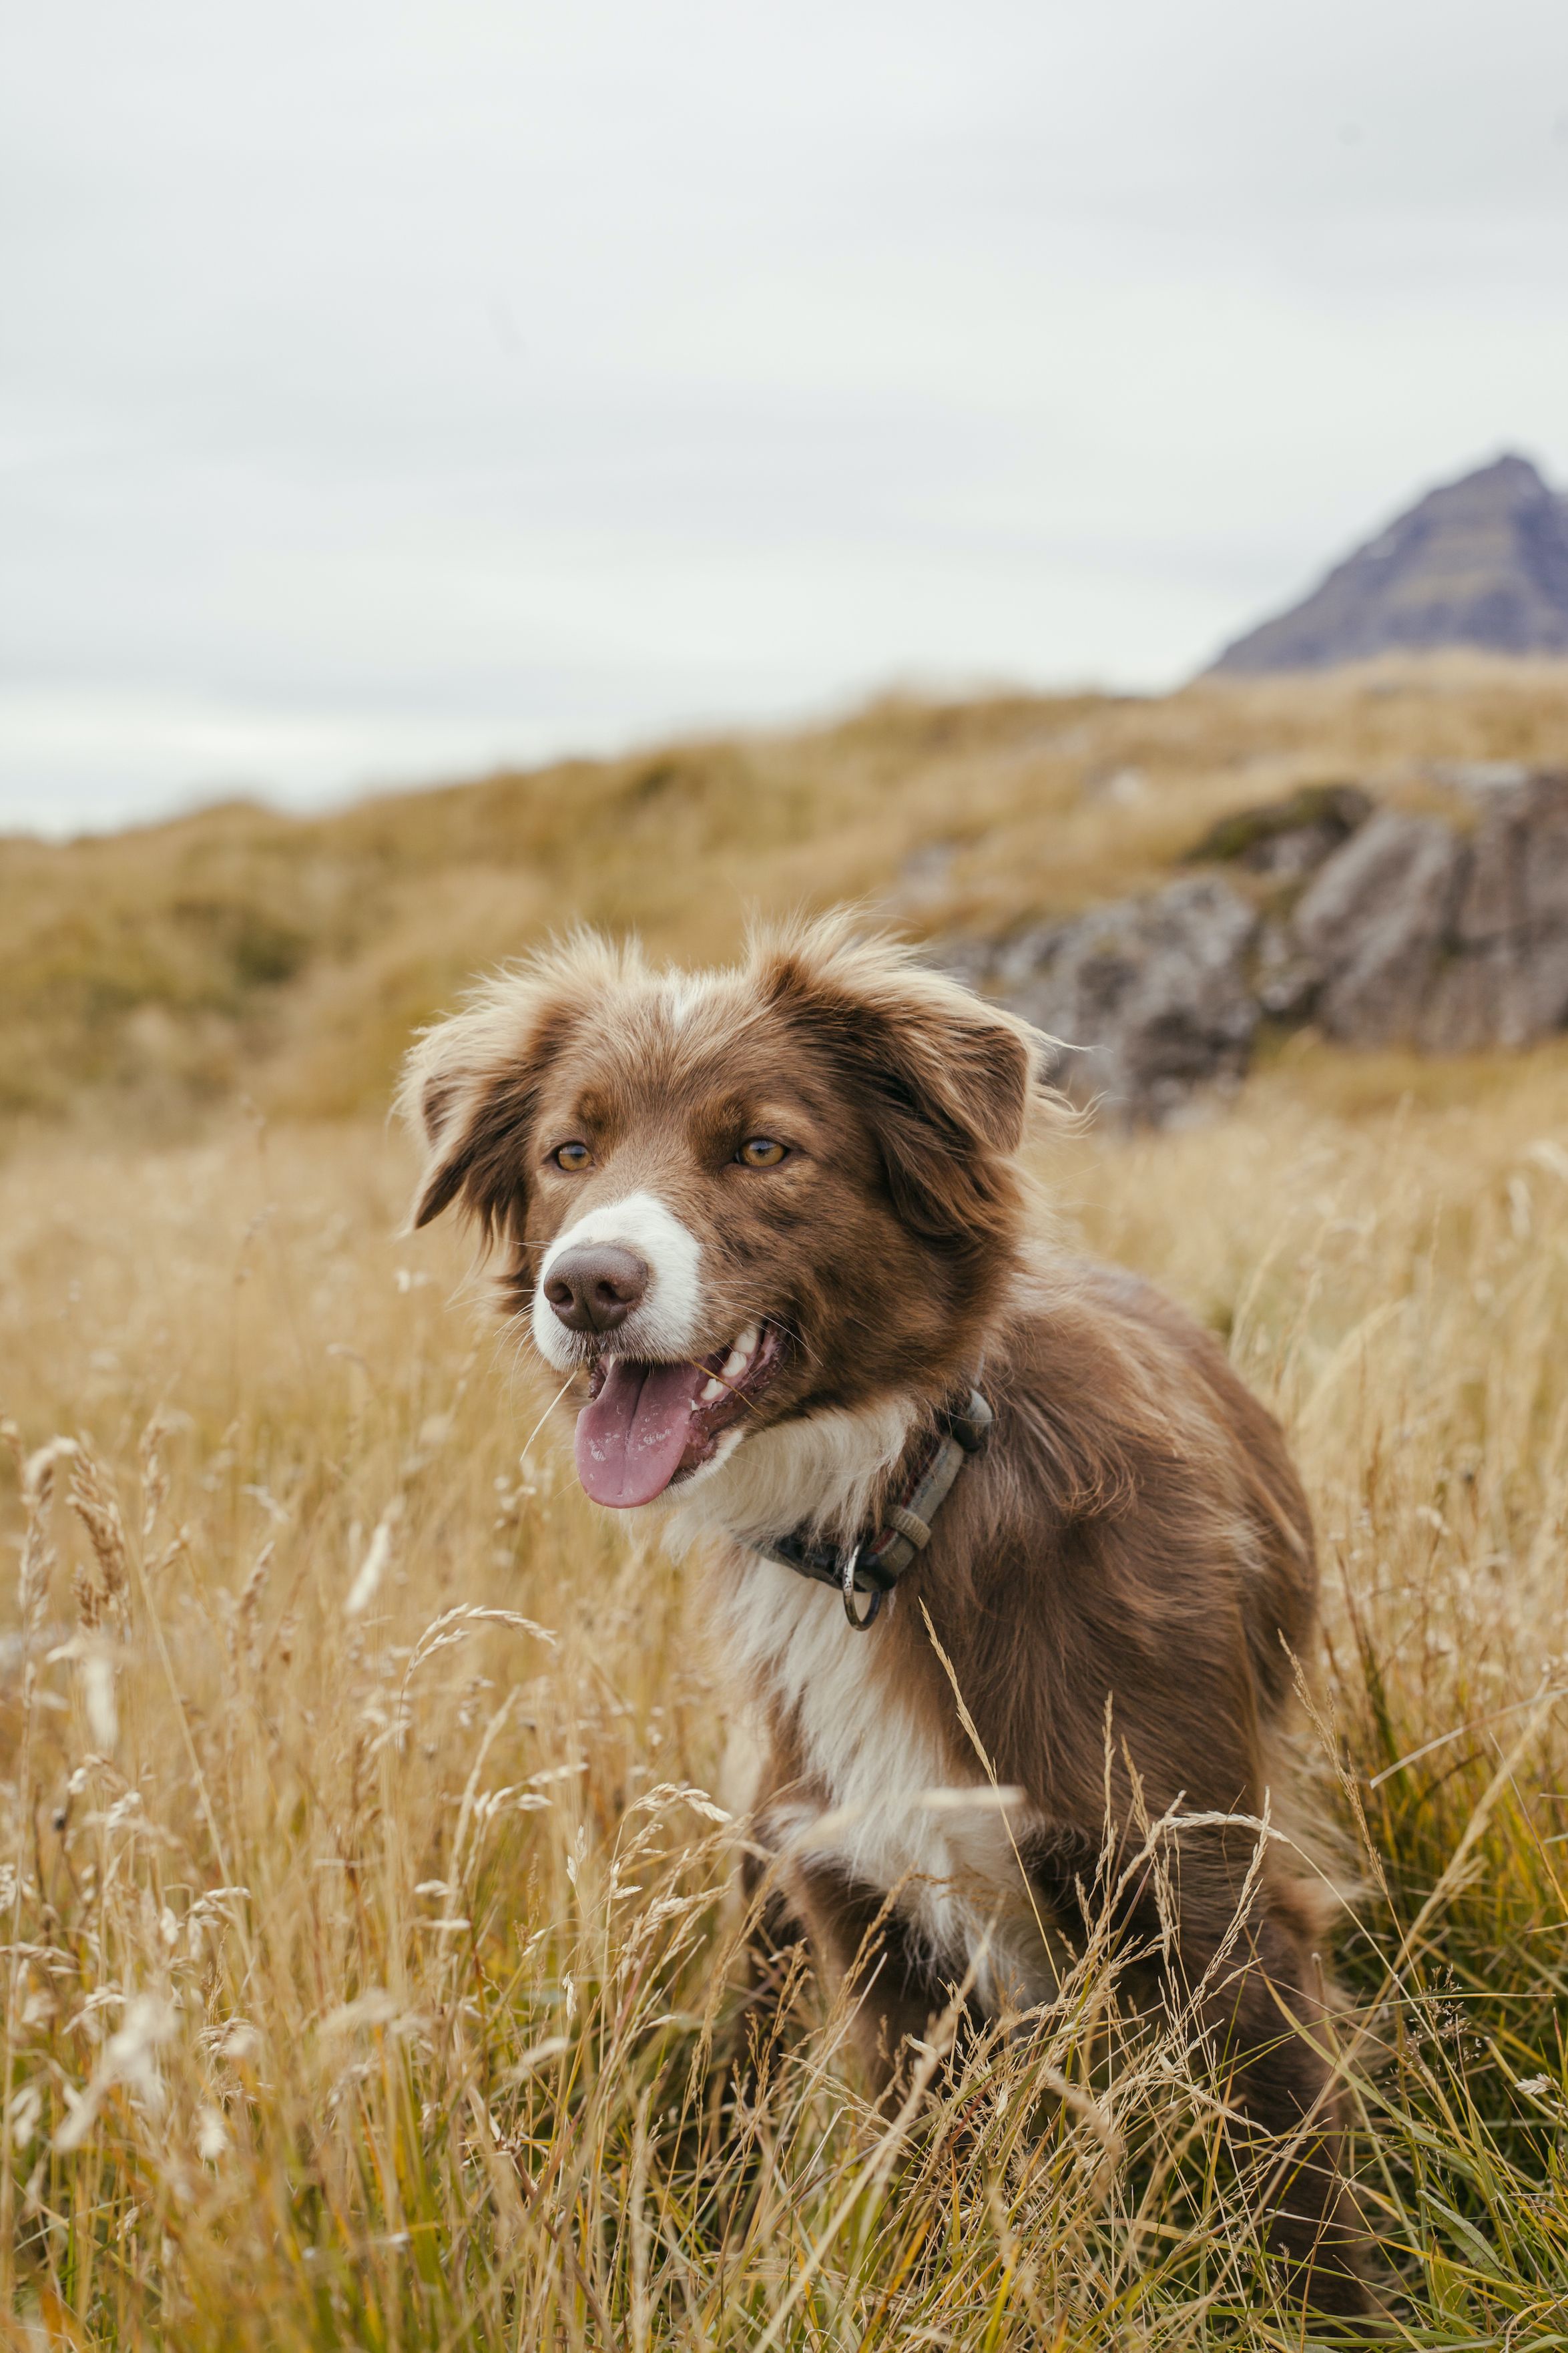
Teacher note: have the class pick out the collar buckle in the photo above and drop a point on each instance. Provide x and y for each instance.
(849, 1566)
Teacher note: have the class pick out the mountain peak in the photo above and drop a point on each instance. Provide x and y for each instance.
(1479, 561)
(1507, 467)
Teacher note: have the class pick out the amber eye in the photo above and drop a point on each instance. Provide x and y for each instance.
(761, 1152)
(573, 1158)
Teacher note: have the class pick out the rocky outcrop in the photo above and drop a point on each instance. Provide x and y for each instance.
(1423, 937)
(1148, 997)
(1410, 931)
(1373, 923)
(1480, 562)
(1507, 978)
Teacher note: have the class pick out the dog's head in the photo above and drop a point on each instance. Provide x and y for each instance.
(732, 1199)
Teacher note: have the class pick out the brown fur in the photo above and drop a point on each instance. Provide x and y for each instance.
(1134, 1539)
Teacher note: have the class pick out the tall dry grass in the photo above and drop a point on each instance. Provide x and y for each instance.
(369, 1958)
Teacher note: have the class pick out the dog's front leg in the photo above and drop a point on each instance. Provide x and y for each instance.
(871, 1960)
(864, 1951)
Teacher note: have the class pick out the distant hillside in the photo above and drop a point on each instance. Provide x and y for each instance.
(1482, 562)
(148, 976)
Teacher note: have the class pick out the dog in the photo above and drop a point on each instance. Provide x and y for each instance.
(770, 1226)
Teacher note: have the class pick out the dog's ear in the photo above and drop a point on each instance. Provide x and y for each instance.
(470, 1085)
(474, 1119)
(943, 1078)
(469, 1091)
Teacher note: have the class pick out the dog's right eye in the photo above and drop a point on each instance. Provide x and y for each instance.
(573, 1158)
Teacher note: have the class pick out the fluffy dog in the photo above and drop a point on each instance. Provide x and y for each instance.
(770, 1224)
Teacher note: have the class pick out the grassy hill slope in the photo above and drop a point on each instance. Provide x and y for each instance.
(154, 972)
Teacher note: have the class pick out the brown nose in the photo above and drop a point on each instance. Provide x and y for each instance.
(596, 1286)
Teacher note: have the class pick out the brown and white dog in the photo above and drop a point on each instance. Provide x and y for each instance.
(771, 1223)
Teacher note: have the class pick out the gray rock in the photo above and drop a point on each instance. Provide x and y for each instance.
(1374, 921)
(1476, 1001)
(1153, 992)
(1544, 851)
(1518, 878)
(1425, 937)
(1286, 980)
(1492, 899)
(1545, 993)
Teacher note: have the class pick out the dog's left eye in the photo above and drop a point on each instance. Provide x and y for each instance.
(761, 1152)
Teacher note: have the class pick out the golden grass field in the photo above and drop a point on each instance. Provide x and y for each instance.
(371, 1968)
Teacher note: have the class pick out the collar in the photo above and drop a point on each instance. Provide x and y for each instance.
(876, 1560)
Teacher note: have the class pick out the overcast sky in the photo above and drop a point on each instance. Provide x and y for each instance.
(389, 389)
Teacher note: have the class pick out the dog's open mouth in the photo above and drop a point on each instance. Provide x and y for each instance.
(647, 1425)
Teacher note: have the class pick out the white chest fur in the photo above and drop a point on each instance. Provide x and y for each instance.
(897, 1816)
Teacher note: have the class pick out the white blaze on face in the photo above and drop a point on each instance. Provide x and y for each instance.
(666, 1324)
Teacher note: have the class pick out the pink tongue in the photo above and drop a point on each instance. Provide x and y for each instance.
(631, 1438)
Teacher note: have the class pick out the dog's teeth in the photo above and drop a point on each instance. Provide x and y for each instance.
(711, 1390)
(741, 1355)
